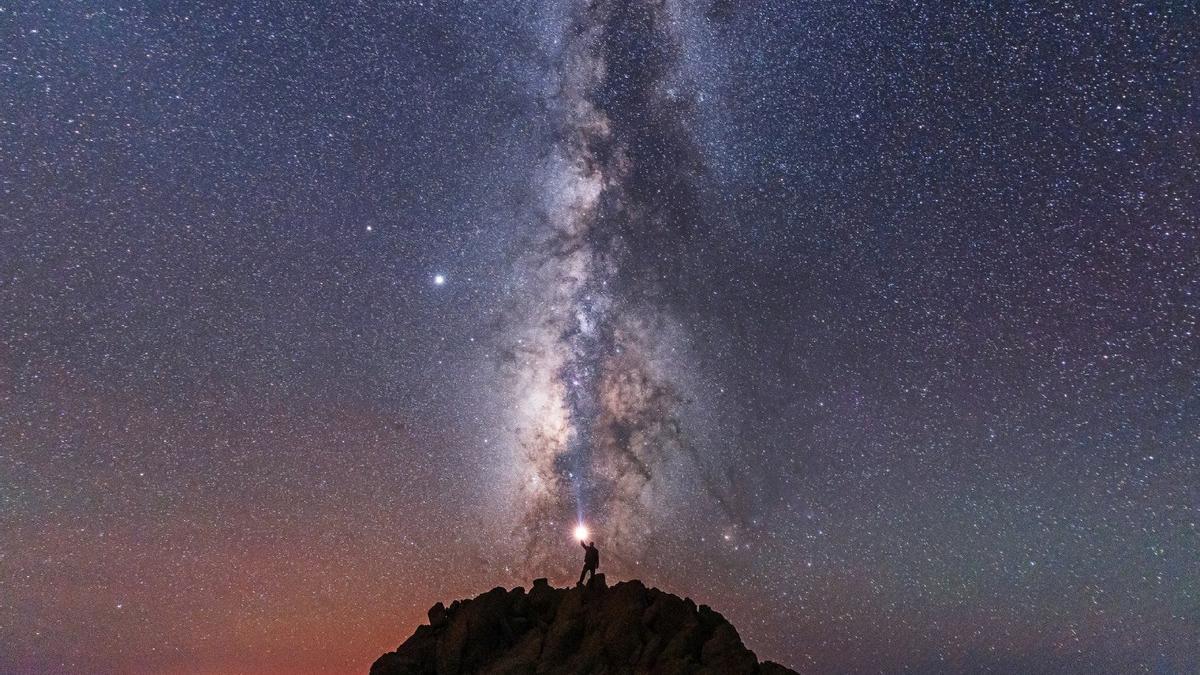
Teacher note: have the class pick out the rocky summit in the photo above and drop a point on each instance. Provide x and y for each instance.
(595, 630)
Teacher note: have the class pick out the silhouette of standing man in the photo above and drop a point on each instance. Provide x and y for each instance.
(591, 560)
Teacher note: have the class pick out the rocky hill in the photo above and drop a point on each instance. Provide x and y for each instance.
(594, 630)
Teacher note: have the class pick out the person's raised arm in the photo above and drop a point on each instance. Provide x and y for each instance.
(582, 544)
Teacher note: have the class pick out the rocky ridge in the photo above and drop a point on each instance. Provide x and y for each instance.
(594, 630)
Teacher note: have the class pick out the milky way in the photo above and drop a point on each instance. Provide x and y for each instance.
(599, 407)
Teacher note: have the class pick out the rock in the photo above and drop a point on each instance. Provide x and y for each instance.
(724, 652)
(437, 615)
(621, 630)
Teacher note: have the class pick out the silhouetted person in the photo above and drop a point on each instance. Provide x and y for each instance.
(591, 560)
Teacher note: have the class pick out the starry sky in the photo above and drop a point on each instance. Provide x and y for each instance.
(876, 327)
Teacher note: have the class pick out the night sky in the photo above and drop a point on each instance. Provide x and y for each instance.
(875, 327)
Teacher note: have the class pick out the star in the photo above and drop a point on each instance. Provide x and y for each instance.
(722, 275)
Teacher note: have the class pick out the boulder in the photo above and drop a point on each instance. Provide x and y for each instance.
(594, 629)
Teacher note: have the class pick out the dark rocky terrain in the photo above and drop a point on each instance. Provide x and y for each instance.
(594, 630)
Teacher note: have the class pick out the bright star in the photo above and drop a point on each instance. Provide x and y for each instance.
(581, 532)
(439, 279)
